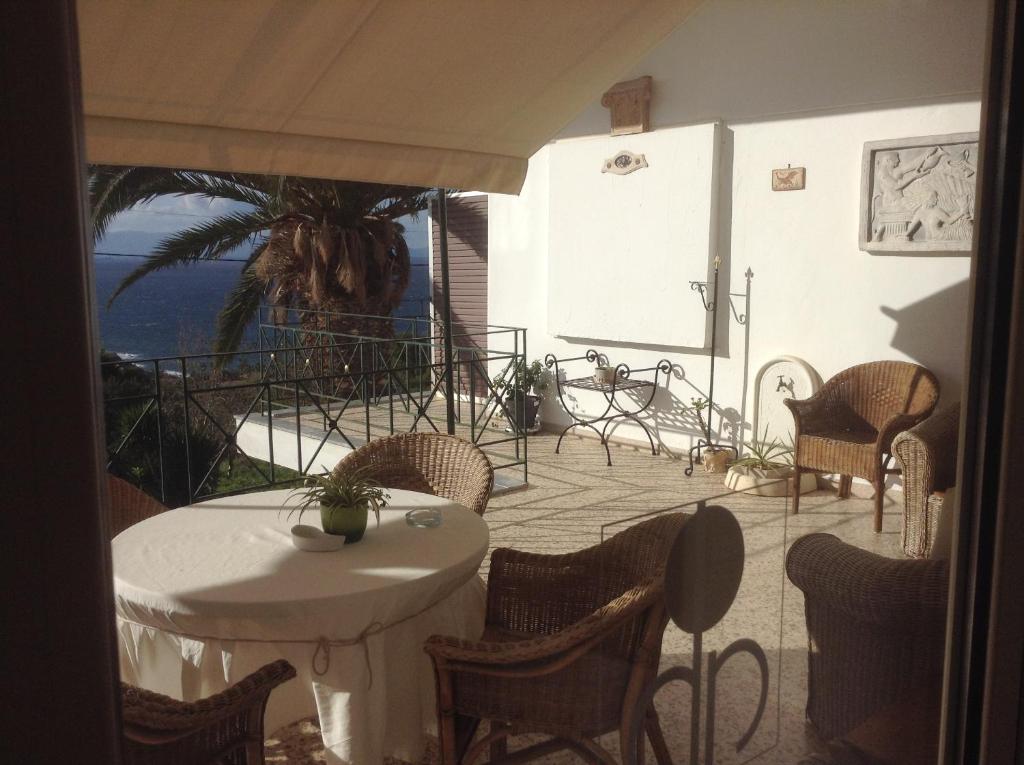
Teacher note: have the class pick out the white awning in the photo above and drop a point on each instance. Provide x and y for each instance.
(455, 93)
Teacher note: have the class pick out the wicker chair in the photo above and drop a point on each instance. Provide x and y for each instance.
(927, 454)
(128, 505)
(848, 426)
(442, 465)
(226, 728)
(570, 643)
(876, 635)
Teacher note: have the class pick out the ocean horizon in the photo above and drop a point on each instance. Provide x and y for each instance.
(174, 311)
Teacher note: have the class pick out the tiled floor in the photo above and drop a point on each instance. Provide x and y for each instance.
(574, 495)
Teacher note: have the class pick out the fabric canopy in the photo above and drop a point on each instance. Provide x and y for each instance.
(454, 93)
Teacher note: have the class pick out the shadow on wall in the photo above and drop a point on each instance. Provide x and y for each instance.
(932, 332)
(842, 57)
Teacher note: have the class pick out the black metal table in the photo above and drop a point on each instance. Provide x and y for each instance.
(614, 409)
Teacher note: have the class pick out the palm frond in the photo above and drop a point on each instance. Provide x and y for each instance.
(113, 190)
(207, 240)
(241, 306)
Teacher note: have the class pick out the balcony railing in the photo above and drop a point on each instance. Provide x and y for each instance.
(319, 384)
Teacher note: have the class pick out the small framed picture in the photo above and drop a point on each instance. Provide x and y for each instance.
(788, 178)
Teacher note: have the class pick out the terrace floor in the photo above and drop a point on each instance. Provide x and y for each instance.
(572, 495)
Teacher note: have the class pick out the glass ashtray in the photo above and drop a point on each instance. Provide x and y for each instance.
(424, 518)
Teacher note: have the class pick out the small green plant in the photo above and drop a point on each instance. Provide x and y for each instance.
(338, 491)
(766, 455)
(698, 405)
(521, 379)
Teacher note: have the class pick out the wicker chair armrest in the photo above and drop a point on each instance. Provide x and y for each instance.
(547, 648)
(931, 445)
(867, 586)
(892, 427)
(154, 711)
(810, 415)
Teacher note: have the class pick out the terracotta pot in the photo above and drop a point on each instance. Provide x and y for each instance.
(604, 375)
(716, 460)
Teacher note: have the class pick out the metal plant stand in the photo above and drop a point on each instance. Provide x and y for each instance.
(705, 441)
(614, 410)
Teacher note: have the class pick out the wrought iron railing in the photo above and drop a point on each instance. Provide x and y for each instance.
(195, 427)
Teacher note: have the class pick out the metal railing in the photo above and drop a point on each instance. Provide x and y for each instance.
(199, 426)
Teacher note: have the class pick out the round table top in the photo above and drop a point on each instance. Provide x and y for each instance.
(227, 568)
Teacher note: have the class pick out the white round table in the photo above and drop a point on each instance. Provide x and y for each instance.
(207, 593)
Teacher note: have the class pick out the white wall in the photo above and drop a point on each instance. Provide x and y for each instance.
(798, 82)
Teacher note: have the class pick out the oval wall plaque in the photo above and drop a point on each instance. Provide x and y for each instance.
(624, 163)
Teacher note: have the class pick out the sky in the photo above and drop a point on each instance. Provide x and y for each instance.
(164, 215)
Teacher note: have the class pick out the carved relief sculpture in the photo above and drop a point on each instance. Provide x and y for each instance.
(917, 194)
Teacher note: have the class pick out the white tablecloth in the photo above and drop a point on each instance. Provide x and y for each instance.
(206, 594)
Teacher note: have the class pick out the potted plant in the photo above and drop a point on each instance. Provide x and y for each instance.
(715, 459)
(344, 499)
(521, 387)
(766, 469)
(604, 374)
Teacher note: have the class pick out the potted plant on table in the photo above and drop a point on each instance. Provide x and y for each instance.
(766, 470)
(521, 387)
(344, 499)
(715, 458)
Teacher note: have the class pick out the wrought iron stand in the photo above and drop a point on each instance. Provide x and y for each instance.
(622, 382)
(705, 441)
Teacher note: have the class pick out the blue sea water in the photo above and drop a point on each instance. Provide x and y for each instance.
(165, 313)
(175, 311)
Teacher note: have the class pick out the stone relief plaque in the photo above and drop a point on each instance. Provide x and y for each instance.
(789, 179)
(624, 163)
(917, 194)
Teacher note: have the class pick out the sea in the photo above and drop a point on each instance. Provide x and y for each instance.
(174, 311)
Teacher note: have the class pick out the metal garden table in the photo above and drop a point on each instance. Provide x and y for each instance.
(616, 409)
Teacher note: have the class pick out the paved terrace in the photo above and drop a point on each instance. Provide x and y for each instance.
(572, 495)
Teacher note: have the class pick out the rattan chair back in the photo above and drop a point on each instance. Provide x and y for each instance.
(878, 390)
(442, 465)
(225, 728)
(570, 644)
(128, 505)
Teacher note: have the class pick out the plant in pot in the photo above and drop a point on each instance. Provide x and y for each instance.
(715, 459)
(344, 499)
(521, 387)
(766, 469)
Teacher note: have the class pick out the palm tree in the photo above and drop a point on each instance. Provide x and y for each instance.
(333, 246)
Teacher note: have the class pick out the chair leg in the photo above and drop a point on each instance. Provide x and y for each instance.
(499, 747)
(653, 725)
(845, 485)
(796, 490)
(879, 499)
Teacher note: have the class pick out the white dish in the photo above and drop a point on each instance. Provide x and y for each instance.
(312, 539)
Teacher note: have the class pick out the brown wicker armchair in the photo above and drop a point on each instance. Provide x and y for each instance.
(226, 728)
(128, 505)
(876, 636)
(848, 426)
(570, 643)
(442, 465)
(927, 454)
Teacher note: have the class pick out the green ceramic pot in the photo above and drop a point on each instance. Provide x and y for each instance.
(347, 521)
